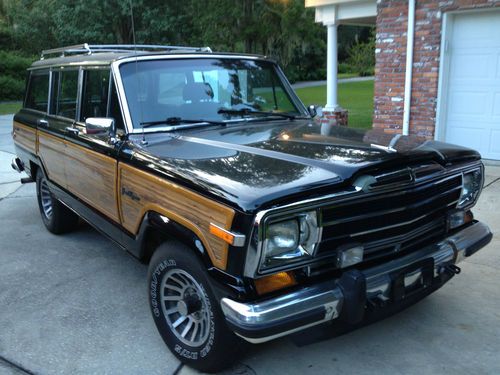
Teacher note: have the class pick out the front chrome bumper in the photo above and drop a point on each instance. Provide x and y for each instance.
(271, 318)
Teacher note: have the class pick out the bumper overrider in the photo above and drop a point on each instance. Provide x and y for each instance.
(397, 283)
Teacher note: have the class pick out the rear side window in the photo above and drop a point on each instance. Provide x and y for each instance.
(67, 90)
(38, 92)
(95, 94)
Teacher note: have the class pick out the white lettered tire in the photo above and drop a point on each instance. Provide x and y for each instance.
(186, 312)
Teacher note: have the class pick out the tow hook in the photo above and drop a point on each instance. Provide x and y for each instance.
(450, 269)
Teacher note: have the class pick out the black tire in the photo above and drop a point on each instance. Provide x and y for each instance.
(59, 219)
(221, 348)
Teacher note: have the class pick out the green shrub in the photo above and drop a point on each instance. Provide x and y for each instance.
(11, 88)
(362, 58)
(13, 65)
(12, 75)
(345, 68)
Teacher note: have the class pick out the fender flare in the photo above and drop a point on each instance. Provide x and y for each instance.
(155, 221)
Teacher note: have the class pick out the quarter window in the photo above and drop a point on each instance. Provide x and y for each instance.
(38, 92)
(95, 95)
(114, 109)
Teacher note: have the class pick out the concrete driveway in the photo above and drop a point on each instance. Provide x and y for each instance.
(77, 304)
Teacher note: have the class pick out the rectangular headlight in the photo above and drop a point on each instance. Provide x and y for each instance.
(290, 241)
(472, 182)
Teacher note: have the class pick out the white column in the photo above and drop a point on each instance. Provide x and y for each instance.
(331, 68)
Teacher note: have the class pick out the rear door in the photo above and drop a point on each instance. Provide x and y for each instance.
(91, 161)
(62, 115)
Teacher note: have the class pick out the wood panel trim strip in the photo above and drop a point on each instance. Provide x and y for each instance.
(24, 136)
(192, 210)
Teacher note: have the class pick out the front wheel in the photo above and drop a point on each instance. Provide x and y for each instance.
(186, 311)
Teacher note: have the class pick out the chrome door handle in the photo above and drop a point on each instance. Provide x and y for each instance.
(72, 130)
(43, 123)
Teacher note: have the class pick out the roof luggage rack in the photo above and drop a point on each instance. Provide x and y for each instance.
(89, 49)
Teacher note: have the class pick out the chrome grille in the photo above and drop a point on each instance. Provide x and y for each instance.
(390, 222)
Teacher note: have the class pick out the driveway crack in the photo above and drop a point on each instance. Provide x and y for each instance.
(492, 182)
(15, 365)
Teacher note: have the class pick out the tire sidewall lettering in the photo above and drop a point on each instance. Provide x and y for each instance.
(155, 294)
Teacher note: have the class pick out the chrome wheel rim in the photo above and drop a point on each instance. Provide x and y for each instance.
(46, 199)
(185, 307)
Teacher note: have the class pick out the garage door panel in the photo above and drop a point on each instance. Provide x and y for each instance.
(465, 136)
(494, 145)
(473, 83)
(496, 104)
(470, 66)
(467, 33)
(468, 103)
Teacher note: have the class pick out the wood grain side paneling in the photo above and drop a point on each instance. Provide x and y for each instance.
(51, 150)
(24, 136)
(91, 176)
(145, 192)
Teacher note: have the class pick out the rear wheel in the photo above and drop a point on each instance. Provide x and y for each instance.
(186, 312)
(57, 217)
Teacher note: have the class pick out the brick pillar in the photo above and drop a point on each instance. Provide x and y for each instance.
(390, 65)
(339, 117)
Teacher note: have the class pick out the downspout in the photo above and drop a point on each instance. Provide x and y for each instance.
(410, 36)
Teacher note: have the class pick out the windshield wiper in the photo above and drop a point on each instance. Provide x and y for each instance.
(179, 121)
(246, 112)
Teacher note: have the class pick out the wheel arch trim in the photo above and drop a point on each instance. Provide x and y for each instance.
(174, 228)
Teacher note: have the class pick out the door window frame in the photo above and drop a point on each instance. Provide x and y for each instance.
(83, 72)
(31, 73)
(54, 92)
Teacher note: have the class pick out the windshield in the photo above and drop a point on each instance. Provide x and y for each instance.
(205, 89)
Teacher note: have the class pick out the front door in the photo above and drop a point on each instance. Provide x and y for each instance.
(52, 129)
(91, 162)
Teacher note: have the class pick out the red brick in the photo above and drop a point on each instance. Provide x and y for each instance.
(390, 66)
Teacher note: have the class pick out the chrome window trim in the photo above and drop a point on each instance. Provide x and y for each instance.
(254, 251)
(122, 99)
(50, 94)
(115, 67)
(79, 95)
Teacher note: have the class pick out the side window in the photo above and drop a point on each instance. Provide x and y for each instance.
(266, 95)
(38, 92)
(66, 98)
(114, 109)
(95, 93)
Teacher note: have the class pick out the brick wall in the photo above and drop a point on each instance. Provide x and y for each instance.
(392, 21)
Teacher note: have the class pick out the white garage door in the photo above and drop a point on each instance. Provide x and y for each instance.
(473, 93)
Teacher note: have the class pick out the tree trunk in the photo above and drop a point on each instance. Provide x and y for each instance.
(248, 18)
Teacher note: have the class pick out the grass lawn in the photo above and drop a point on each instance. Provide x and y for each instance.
(9, 107)
(356, 97)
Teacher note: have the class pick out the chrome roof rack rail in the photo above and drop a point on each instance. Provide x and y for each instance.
(89, 49)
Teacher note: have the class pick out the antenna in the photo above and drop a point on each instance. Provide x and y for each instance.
(138, 81)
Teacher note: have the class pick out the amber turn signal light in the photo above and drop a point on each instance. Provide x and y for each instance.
(268, 284)
(231, 238)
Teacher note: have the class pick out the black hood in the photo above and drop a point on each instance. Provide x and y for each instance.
(254, 165)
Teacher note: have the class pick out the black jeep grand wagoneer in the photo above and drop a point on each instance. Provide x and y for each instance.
(256, 221)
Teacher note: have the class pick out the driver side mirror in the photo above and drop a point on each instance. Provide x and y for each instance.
(315, 110)
(101, 126)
